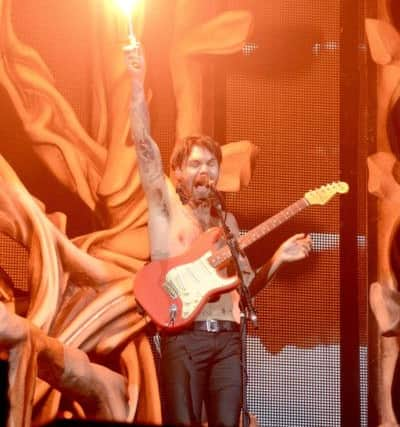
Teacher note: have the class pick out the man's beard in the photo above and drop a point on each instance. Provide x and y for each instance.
(186, 196)
(213, 198)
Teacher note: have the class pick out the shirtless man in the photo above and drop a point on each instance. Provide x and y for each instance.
(197, 365)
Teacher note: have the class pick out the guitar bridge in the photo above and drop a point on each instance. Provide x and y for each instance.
(170, 289)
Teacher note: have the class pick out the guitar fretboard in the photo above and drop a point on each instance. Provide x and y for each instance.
(256, 233)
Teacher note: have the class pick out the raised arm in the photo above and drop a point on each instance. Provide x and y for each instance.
(148, 154)
(149, 158)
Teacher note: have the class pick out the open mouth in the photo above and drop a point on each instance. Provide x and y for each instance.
(202, 182)
(201, 190)
(201, 187)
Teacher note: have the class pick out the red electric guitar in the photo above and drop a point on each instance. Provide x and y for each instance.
(172, 291)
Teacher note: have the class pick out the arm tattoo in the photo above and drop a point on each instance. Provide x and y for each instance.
(147, 151)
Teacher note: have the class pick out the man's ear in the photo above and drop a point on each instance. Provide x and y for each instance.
(176, 176)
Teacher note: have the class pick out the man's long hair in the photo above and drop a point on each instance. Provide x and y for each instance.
(182, 152)
(184, 147)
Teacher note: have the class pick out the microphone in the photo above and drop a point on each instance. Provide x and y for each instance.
(215, 196)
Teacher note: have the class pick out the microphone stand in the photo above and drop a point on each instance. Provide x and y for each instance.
(247, 309)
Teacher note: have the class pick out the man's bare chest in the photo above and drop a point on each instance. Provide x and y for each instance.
(186, 232)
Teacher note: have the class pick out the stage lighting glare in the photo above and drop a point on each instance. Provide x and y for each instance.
(249, 48)
(127, 6)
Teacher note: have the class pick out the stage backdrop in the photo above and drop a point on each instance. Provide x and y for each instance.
(284, 92)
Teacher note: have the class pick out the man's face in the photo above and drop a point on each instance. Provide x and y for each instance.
(199, 171)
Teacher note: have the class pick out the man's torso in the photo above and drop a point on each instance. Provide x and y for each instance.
(177, 236)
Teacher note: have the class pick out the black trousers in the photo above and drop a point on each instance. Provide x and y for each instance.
(199, 366)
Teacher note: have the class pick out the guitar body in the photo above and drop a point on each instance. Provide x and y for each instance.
(173, 291)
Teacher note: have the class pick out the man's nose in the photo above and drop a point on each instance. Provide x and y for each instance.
(203, 169)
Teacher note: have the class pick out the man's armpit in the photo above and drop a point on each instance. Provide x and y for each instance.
(160, 201)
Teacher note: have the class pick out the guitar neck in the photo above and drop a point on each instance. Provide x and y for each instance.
(261, 230)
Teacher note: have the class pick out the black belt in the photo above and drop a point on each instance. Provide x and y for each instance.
(215, 326)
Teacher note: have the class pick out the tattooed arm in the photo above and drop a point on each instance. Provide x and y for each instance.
(147, 151)
(149, 159)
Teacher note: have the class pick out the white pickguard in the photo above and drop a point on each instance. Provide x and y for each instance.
(191, 282)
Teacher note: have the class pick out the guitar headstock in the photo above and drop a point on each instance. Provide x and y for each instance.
(322, 195)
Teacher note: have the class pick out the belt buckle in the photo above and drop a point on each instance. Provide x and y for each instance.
(212, 325)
